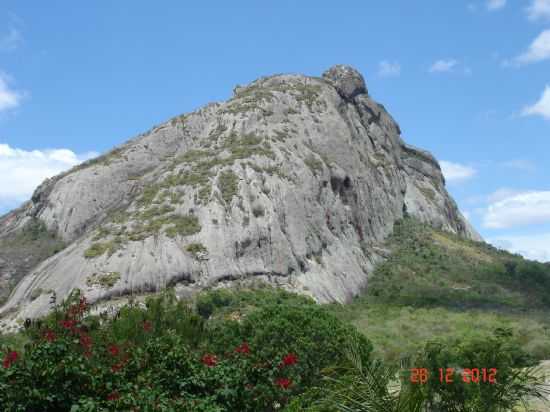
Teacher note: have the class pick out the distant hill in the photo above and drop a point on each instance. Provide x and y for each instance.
(430, 267)
(436, 285)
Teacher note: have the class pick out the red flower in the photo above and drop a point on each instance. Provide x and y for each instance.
(113, 396)
(117, 366)
(147, 326)
(113, 350)
(67, 324)
(209, 360)
(283, 383)
(10, 358)
(244, 348)
(86, 341)
(49, 335)
(289, 359)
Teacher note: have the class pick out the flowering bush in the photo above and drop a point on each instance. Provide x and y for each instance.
(168, 357)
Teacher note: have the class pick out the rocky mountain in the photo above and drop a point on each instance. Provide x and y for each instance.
(295, 180)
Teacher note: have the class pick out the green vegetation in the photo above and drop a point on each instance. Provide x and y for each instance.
(308, 94)
(35, 231)
(435, 268)
(170, 357)
(204, 194)
(436, 284)
(228, 183)
(155, 211)
(247, 350)
(179, 120)
(149, 194)
(103, 160)
(102, 233)
(24, 249)
(105, 280)
(198, 167)
(249, 99)
(256, 95)
(398, 331)
(183, 225)
(146, 223)
(510, 382)
(100, 248)
(196, 249)
(243, 147)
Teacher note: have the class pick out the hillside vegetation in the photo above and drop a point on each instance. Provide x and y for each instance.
(23, 250)
(438, 285)
(241, 350)
(439, 301)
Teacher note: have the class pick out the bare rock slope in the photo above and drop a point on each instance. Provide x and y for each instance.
(295, 180)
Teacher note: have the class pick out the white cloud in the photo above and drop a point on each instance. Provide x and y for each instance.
(9, 98)
(521, 209)
(520, 164)
(501, 194)
(442, 66)
(455, 172)
(493, 5)
(11, 40)
(535, 247)
(538, 50)
(539, 9)
(497, 195)
(388, 69)
(540, 108)
(21, 171)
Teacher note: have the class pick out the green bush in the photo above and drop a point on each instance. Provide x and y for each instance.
(207, 303)
(196, 249)
(166, 356)
(307, 330)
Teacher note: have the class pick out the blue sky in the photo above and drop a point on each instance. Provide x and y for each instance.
(466, 80)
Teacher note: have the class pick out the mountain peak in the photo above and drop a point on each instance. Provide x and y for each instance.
(347, 80)
(294, 181)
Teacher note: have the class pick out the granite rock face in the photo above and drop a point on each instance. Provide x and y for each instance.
(295, 181)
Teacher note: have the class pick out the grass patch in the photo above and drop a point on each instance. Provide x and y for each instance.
(228, 183)
(155, 211)
(185, 225)
(105, 280)
(398, 332)
(100, 248)
(204, 194)
(149, 194)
